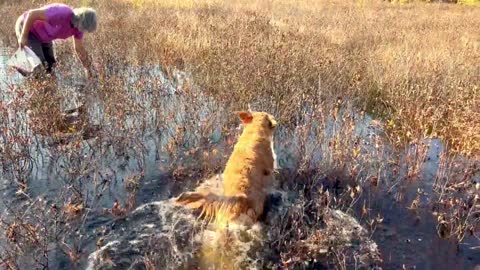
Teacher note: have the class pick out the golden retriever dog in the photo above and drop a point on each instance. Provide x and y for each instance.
(247, 175)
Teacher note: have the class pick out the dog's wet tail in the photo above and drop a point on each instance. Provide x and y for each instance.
(216, 207)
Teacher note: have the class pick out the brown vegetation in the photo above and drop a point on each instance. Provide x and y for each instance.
(315, 65)
(415, 66)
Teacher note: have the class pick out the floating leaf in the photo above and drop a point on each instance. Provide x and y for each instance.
(356, 152)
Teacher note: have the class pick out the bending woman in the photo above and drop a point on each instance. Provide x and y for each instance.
(37, 28)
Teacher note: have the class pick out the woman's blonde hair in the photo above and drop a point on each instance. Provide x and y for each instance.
(85, 19)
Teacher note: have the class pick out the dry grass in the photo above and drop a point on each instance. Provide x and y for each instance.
(415, 65)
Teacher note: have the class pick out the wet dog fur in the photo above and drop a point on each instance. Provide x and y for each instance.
(247, 176)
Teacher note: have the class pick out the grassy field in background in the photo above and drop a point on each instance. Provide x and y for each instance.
(415, 66)
(317, 66)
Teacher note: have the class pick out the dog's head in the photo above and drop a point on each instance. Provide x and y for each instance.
(259, 119)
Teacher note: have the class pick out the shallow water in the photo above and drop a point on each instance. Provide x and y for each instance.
(409, 237)
(405, 237)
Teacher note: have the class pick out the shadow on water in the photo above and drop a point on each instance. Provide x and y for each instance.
(151, 158)
(409, 235)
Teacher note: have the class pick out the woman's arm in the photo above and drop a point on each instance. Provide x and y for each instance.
(82, 55)
(32, 16)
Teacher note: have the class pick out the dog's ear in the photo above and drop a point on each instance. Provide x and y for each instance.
(272, 122)
(246, 117)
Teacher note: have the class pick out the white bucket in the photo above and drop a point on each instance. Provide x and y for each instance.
(24, 60)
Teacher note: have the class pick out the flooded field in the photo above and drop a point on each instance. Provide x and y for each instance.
(104, 182)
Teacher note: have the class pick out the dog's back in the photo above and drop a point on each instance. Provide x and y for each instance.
(249, 171)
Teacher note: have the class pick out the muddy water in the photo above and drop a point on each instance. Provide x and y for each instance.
(405, 237)
(408, 237)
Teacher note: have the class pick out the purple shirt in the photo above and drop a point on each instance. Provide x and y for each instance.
(57, 25)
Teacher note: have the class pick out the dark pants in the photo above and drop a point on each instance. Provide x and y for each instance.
(44, 51)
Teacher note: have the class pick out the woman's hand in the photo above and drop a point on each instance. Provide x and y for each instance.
(88, 73)
(83, 56)
(23, 41)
